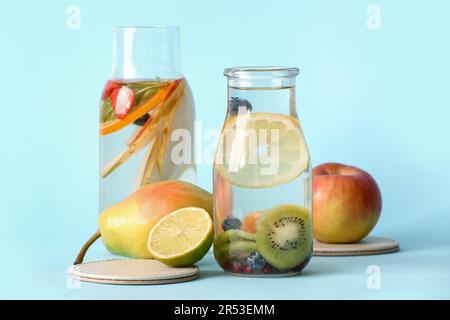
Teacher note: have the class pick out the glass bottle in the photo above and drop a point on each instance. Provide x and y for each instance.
(262, 177)
(146, 109)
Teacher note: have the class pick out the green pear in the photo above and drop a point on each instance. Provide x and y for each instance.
(125, 226)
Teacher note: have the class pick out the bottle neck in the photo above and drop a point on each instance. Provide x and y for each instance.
(146, 53)
(263, 89)
(280, 100)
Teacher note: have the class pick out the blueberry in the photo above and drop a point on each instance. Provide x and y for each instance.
(234, 104)
(256, 261)
(231, 223)
(142, 120)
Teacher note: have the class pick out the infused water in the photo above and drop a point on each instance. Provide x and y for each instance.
(137, 119)
(262, 178)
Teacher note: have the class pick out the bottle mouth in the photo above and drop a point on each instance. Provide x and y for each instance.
(261, 77)
(261, 73)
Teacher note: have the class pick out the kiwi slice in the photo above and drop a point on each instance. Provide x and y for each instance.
(234, 235)
(284, 236)
(236, 249)
(234, 244)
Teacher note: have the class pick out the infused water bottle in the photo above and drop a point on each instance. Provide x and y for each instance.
(146, 114)
(262, 177)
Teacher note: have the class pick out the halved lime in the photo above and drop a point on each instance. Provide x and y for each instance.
(260, 150)
(182, 237)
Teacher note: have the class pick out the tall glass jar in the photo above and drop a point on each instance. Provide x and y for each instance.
(146, 110)
(262, 177)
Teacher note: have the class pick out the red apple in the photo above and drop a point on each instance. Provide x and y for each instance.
(346, 203)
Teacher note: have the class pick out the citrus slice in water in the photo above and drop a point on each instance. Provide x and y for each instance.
(261, 150)
(182, 237)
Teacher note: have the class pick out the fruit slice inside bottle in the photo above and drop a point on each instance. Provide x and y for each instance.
(139, 111)
(260, 150)
(284, 236)
(181, 237)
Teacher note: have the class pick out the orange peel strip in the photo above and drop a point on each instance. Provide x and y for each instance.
(115, 125)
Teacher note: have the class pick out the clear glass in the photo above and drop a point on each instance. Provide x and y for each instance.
(144, 102)
(262, 177)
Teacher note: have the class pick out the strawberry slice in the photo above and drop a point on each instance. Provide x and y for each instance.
(122, 100)
(109, 88)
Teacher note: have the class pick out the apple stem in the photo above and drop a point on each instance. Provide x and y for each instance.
(86, 246)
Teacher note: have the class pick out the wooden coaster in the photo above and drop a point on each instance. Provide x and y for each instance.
(369, 245)
(132, 271)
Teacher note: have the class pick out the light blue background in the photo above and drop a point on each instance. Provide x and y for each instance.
(377, 99)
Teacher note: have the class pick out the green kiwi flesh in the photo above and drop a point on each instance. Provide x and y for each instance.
(234, 244)
(234, 235)
(236, 249)
(284, 236)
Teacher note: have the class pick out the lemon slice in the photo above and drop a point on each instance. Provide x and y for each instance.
(182, 237)
(260, 150)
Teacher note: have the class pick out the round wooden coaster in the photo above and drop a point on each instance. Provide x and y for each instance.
(369, 245)
(132, 271)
